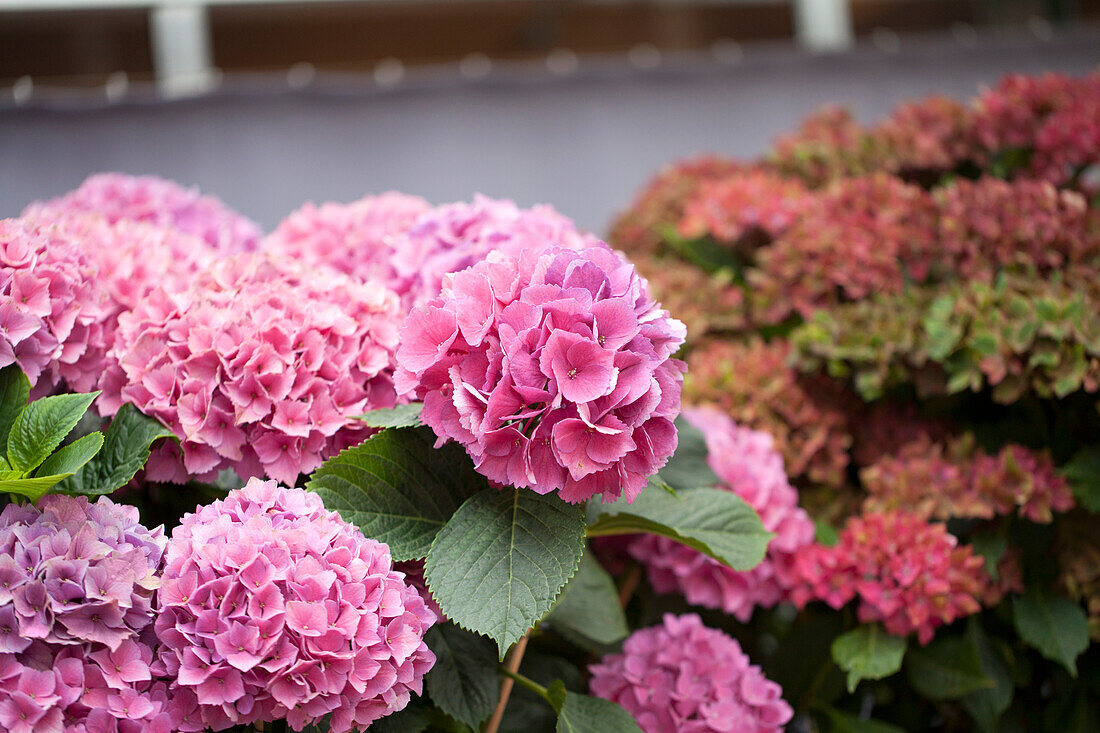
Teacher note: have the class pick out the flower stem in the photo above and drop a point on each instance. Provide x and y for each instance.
(529, 683)
(630, 584)
(511, 664)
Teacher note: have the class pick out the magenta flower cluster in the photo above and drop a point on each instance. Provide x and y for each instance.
(76, 619)
(553, 369)
(258, 367)
(118, 196)
(748, 464)
(681, 676)
(273, 608)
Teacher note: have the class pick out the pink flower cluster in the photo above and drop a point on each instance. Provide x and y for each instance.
(356, 239)
(934, 134)
(51, 309)
(272, 608)
(748, 465)
(154, 200)
(452, 237)
(683, 677)
(76, 619)
(552, 369)
(909, 574)
(257, 367)
(743, 204)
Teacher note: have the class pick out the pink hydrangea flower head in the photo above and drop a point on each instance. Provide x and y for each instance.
(164, 203)
(750, 202)
(682, 676)
(552, 369)
(455, 236)
(748, 464)
(356, 239)
(272, 607)
(51, 310)
(259, 366)
(909, 574)
(77, 649)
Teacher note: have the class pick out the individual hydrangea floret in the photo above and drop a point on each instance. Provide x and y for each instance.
(754, 204)
(77, 649)
(552, 369)
(683, 676)
(157, 201)
(748, 465)
(272, 607)
(452, 237)
(52, 310)
(356, 239)
(908, 574)
(259, 367)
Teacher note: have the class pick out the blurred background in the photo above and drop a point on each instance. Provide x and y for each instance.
(571, 102)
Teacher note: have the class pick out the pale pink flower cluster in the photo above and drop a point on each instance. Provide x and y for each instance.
(452, 237)
(76, 619)
(157, 201)
(681, 677)
(553, 369)
(258, 367)
(748, 464)
(356, 239)
(51, 307)
(273, 608)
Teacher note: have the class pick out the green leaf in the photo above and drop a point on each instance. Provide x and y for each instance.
(987, 706)
(402, 416)
(126, 445)
(868, 653)
(656, 482)
(946, 669)
(845, 723)
(588, 613)
(397, 488)
(464, 682)
(32, 488)
(825, 534)
(991, 545)
(688, 467)
(585, 714)
(1054, 625)
(502, 559)
(41, 426)
(1083, 474)
(15, 390)
(714, 521)
(71, 457)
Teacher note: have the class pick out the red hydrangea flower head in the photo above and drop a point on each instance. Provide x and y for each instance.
(452, 237)
(744, 203)
(553, 369)
(748, 464)
(76, 619)
(272, 607)
(157, 201)
(258, 367)
(682, 676)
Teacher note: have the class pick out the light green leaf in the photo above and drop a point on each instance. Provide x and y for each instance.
(585, 714)
(402, 416)
(71, 457)
(32, 488)
(688, 467)
(588, 613)
(126, 445)
(868, 653)
(397, 488)
(500, 562)
(41, 426)
(1054, 625)
(464, 682)
(845, 723)
(1083, 474)
(946, 669)
(15, 390)
(713, 521)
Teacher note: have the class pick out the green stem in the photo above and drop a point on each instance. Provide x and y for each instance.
(530, 684)
(818, 681)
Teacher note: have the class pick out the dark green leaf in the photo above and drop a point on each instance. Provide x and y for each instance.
(15, 390)
(991, 545)
(500, 562)
(714, 521)
(946, 669)
(397, 488)
(413, 719)
(126, 445)
(987, 706)
(464, 682)
(1083, 474)
(41, 426)
(845, 723)
(688, 467)
(1053, 624)
(588, 613)
(868, 653)
(402, 416)
(584, 714)
(71, 457)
